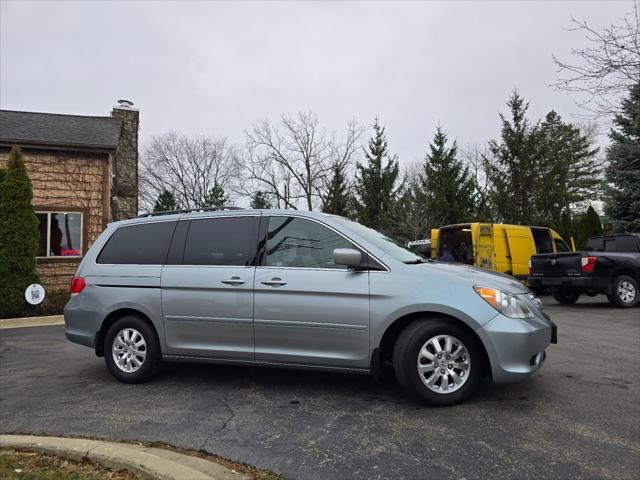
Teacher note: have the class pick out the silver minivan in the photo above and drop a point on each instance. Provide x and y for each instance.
(297, 289)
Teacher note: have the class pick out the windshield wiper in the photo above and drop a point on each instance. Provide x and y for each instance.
(416, 261)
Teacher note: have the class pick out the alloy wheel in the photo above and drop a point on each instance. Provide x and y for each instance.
(444, 364)
(129, 350)
(626, 291)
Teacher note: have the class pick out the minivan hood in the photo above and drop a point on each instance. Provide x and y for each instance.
(476, 276)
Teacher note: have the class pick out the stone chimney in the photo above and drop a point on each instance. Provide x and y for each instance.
(124, 165)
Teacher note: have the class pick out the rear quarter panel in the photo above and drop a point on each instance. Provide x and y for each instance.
(110, 288)
(131, 287)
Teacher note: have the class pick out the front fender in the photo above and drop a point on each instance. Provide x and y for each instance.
(426, 308)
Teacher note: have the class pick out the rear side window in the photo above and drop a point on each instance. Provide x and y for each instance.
(595, 244)
(228, 241)
(610, 245)
(143, 244)
(626, 243)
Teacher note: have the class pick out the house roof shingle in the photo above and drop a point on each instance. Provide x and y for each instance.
(52, 129)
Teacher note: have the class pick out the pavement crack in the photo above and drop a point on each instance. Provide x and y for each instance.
(225, 423)
(94, 447)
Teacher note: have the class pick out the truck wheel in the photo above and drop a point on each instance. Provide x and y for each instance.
(566, 297)
(624, 291)
(131, 350)
(437, 361)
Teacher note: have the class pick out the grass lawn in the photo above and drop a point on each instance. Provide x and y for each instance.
(16, 465)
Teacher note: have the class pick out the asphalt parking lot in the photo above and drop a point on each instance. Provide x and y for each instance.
(578, 417)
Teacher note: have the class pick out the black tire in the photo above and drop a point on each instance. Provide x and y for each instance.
(151, 348)
(621, 296)
(406, 358)
(566, 297)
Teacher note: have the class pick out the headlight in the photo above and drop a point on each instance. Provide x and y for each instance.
(507, 304)
(536, 301)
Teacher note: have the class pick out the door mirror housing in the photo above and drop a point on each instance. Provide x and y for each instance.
(349, 257)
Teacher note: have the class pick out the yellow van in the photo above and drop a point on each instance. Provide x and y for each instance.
(495, 246)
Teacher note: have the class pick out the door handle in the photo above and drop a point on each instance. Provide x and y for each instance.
(233, 281)
(274, 282)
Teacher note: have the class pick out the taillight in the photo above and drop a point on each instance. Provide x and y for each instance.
(77, 285)
(530, 269)
(588, 264)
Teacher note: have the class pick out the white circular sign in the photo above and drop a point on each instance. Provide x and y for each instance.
(34, 294)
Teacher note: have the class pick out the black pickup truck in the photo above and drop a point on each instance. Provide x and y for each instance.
(610, 265)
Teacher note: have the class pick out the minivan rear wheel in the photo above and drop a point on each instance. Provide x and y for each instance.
(438, 361)
(131, 350)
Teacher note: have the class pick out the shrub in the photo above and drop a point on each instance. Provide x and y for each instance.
(18, 236)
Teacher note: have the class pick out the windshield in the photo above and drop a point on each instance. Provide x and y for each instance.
(389, 246)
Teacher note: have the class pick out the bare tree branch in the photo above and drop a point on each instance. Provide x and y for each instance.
(291, 160)
(188, 167)
(605, 69)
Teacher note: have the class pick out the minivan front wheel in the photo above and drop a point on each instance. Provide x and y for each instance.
(131, 350)
(438, 361)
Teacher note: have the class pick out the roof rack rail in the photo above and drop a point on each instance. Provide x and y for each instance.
(189, 210)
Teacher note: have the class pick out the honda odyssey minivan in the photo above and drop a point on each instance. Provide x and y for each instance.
(300, 290)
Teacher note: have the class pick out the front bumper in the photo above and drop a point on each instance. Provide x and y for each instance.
(516, 348)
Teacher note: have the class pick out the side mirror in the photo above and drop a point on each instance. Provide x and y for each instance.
(347, 256)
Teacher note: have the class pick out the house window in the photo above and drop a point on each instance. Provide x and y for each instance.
(60, 234)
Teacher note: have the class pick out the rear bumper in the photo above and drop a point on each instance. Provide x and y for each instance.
(516, 348)
(578, 283)
(80, 325)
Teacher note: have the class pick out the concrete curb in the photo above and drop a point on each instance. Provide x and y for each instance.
(31, 321)
(149, 462)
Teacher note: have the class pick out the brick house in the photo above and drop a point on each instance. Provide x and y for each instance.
(84, 172)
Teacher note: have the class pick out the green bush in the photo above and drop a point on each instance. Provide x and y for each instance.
(53, 303)
(18, 236)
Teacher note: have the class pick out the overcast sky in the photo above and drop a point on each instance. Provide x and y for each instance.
(216, 68)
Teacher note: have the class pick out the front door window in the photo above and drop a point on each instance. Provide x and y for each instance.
(299, 243)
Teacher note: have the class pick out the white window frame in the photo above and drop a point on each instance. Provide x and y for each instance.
(48, 213)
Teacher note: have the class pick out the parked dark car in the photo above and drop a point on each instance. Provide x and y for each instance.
(610, 265)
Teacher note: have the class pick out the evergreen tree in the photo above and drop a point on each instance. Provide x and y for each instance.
(216, 197)
(166, 202)
(18, 236)
(411, 219)
(511, 167)
(538, 171)
(566, 227)
(567, 171)
(589, 226)
(260, 200)
(446, 184)
(338, 200)
(623, 171)
(375, 186)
